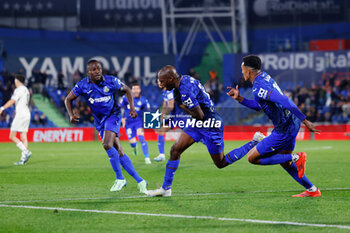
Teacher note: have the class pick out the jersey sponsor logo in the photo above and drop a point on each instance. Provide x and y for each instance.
(262, 93)
(188, 102)
(106, 89)
(101, 99)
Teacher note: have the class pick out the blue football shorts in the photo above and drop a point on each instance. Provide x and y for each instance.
(112, 123)
(275, 143)
(211, 137)
(131, 128)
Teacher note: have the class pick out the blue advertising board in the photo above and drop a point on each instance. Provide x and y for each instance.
(38, 8)
(144, 67)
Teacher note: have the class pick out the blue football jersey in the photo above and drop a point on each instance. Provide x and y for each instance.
(192, 93)
(283, 120)
(167, 96)
(100, 97)
(141, 105)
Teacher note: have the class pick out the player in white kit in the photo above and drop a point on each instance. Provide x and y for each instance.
(21, 121)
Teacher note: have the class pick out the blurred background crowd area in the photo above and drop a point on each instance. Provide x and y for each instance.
(304, 45)
(327, 101)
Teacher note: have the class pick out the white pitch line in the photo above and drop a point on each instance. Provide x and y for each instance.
(314, 148)
(179, 216)
(176, 195)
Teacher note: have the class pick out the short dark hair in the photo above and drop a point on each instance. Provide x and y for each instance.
(20, 78)
(135, 84)
(93, 61)
(252, 61)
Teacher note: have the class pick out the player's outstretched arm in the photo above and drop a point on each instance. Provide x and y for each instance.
(311, 127)
(234, 93)
(74, 118)
(167, 108)
(287, 103)
(7, 105)
(123, 122)
(128, 95)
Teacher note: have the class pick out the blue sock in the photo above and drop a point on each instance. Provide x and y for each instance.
(114, 160)
(239, 153)
(133, 145)
(127, 165)
(276, 159)
(144, 146)
(293, 171)
(170, 170)
(161, 144)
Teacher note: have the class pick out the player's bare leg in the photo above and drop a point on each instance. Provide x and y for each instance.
(254, 156)
(24, 139)
(118, 147)
(219, 160)
(13, 137)
(22, 145)
(182, 143)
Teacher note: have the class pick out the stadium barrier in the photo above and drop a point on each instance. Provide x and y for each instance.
(54, 135)
(231, 132)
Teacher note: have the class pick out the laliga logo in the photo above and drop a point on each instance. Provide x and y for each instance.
(151, 120)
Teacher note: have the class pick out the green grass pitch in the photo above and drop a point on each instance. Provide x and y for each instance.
(79, 176)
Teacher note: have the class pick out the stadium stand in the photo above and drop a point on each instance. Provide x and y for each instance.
(329, 101)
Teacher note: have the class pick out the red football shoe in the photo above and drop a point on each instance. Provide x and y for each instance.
(317, 193)
(301, 164)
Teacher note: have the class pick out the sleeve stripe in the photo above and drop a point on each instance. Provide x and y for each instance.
(75, 93)
(268, 96)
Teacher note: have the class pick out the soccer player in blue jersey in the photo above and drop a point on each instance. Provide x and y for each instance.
(133, 126)
(99, 91)
(205, 125)
(285, 116)
(168, 109)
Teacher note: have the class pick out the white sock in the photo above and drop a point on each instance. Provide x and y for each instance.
(21, 146)
(312, 189)
(23, 156)
(295, 158)
(161, 155)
